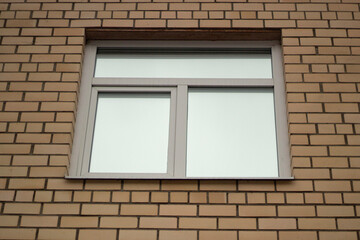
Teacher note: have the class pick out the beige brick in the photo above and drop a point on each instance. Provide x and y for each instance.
(346, 173)
(89, 234)
(35, 117)
(16, 233)
(53, 234)
(335, 211)
(312, 173)
(296, 211)
(241, 223)
(179, 185)
(51, 149)
(257, 211)
(120, 197)
(304, 107)
(298, 235)
(101, 196)
(82, 196)
(21, 106)
(316, 223)
(13, 171)
(254, 198)
(302, 128)
(39, 221)
(213, 235)
(158, 222)
(302, 87)
(183, 23)
(277, 223)
(294, 186)
(280, 23)
(177, 210)
(61, 209)
(80, 222)
(138, 209)
(8, 221)
(316, 41)
(215, 23)
(57, 106)
(344, 151)
(332, 186)
(348, 223)
(29, 160)
(309, 151)
(248, 23)
(141, 185)
(330, 162)
(100, 209)
(217, 210)
(22, 208)
(137, 234)
(255, 235)
(236, 198)
(177, 235)
(216, 197)
(327, 139)
(178, 197)
(24, 183)
(337, 235)
(150, 23)
(103, 185)
(7, 195)
(159, 197)
(197, 223)
(118, 222)
(64, 184)
(218, 185)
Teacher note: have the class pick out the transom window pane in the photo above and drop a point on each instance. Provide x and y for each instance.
(231, 133)
(183, 65)
(131, 133)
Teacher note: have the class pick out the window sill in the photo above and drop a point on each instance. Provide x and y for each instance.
(172, 178)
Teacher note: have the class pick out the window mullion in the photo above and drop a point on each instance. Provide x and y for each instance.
(180, 131)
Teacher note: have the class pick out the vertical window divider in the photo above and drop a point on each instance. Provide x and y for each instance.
(181, 131)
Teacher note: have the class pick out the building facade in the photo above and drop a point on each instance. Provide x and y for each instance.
(42, 53)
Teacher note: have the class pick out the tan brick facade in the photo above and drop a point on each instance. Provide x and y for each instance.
(42, 43)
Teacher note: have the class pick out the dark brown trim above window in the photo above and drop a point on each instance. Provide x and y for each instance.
(183, 34)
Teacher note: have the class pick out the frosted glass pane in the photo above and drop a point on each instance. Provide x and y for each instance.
(131, 133)
(231, 133)
(183, 65)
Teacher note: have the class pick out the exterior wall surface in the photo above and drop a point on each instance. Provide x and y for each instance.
(42, 45)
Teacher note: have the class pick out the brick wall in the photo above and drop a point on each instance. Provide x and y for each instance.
(42, 43)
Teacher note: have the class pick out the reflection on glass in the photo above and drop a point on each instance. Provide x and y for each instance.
(183, 65)
(131, 133)
(231, 133)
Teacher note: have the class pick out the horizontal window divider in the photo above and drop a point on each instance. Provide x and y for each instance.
(203, 82)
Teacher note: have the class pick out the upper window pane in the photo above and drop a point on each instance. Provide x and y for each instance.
(184, 65)
(131, 133)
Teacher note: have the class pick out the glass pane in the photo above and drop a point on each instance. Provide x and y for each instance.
(231, 133)
(183, 65)
(131, 133)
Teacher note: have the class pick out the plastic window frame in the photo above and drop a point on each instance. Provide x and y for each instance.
(178, 87)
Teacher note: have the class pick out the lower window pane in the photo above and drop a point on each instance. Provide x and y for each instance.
(231, 133)
(131, 133)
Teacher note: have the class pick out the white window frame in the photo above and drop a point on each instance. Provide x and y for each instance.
(178, 87)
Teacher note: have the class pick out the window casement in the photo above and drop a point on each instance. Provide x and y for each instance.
(181, 110)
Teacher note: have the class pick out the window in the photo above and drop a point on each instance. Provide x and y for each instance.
(181, 110)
